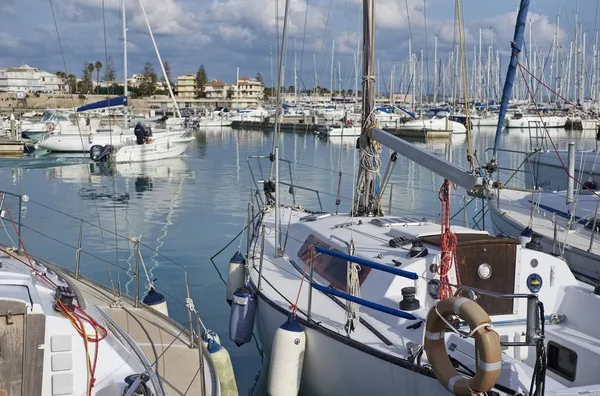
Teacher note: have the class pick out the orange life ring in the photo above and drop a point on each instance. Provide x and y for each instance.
(487, 343)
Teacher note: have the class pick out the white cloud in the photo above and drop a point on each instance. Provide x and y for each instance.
(261, 15)
(392, 14)
(7, 40)
(236, 33)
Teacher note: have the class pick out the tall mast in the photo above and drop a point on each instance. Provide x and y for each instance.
(295, 76)
(480, 68)
(411, 80)
(315, 67)
(516, 45)
(332, 62)
(576, 50)
(435, 69)
(558, 79)
(125, 115)
(367, 187)
(162, 67)
(278, 251)
(582, 69)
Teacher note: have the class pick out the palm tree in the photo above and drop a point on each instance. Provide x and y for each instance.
(90, 69)
(72, 83)
(98, 67)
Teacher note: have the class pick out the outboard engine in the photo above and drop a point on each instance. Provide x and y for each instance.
(100, 153)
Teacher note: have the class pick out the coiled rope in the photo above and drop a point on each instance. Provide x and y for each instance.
(448, 242)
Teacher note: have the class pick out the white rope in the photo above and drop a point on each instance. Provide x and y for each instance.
(136, 240)
(189, 304)
(488, 326)
(352, 288)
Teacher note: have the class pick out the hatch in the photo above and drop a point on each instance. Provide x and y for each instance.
(397, 221)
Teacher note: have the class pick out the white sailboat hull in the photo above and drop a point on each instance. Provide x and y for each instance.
(80, 143)
(334, 367)
(534, 121)
(486, 122)
(161, 148)
(211, 123)
(583, 264)
(338, 132)
(436, 125)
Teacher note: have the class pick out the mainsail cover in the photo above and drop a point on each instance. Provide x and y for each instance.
(103, 104)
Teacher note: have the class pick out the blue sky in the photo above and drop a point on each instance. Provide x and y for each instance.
(224, 34)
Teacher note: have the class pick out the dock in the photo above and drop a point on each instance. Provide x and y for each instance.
(286, 126)
(11, 148)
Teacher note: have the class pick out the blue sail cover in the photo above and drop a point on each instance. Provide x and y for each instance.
(112, 102)
(516, 45)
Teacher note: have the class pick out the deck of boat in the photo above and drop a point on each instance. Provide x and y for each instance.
(162, 340)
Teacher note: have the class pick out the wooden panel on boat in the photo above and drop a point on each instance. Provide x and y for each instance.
(33, 355)
(471, 239)
(501, 258)
(12, 321)
(500, 253)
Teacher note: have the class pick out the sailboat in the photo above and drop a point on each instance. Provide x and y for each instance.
(363, 303)
(72, 335)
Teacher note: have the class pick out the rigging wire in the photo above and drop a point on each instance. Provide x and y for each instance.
(62, 54)
(112, 283)
(523, 70)
(464, 79)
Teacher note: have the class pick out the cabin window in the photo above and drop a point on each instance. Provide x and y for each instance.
(331, 268)
(562, 361)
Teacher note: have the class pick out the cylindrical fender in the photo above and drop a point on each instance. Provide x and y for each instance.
(487, 343)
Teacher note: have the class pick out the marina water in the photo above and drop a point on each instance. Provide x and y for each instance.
(186, 210)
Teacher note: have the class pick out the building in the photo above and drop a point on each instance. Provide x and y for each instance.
(247, 90)
(29, 79)
(135, 80)
(215, 90)
(186, 86)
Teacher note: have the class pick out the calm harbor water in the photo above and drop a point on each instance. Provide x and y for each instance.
(188, 209)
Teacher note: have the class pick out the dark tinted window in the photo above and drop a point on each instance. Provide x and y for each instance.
(562, 361)
(331, 268)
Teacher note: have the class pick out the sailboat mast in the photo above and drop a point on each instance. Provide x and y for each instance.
(367, 187)
(278, 251)
(125, 115)
(332, 67)
(435, 69)
(582, 70)
(516, 45)
(162, 67)
(295, 76)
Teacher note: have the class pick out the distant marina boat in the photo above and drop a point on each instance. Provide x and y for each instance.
(519, 120)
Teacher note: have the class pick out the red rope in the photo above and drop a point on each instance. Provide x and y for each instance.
(312, 258)
(548, 133)
(448, 242)
(77, 317)
(15, 227)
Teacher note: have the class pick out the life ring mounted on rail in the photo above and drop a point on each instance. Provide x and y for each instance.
(487, 342)
(50, 126)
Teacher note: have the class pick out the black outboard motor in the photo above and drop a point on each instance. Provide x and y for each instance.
(100, 153)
